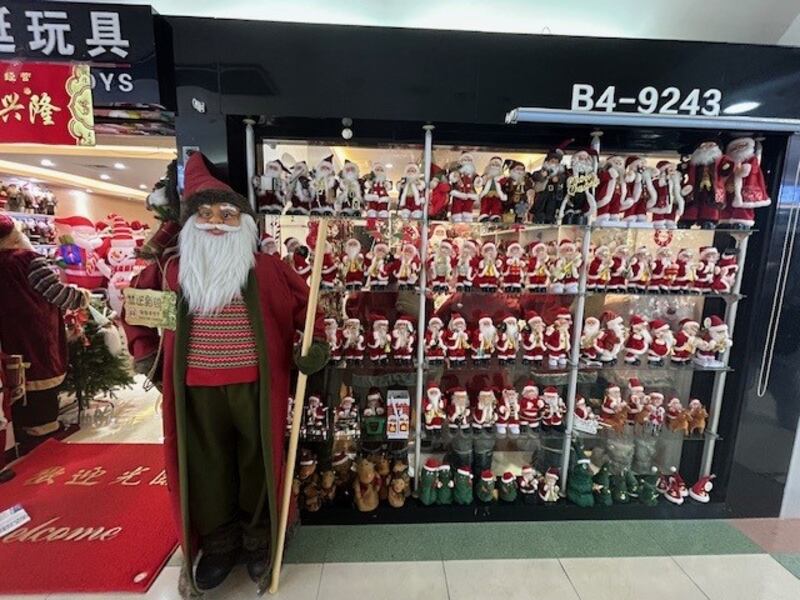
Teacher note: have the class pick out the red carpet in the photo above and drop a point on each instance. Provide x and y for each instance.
(100, 520)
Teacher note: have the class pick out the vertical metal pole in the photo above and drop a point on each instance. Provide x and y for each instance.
(574, 358)
(250, 149)
(718, 390)
(423, 288)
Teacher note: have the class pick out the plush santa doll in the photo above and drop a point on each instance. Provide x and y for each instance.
(488, 271)
(583, 411)
(661, 344)
(458, 410)
(435, 344)
(299, 190)
(638, 342)
(612, 403)
(433, 408)
(557, 338)
(350, 191)
(378, 267)
(599, 269)
(636, 400)
(745, 189)
(533, 346)
(537, 271)
(379, 343)
(335, 339)
(466, 266)
(591, 329)
(375, 405)
(441, 267)
(508, 341)
(618, 272)
(699, 492)
(686, 342)
(566, 272)
(634, 209)
(579, 205)
(668, 204)
(611, 191)
(439, 194)
(407, 267)
(657, 413)
(352, 261)
(377, 192)
(518, 188)
(271, 188)
(639, 270)
(458, 341)
(403, 340)
(484, 415)
(464, 182)
(685, 271)
(297, 257)
(707, 193)
(705, 269)
(660, 269)
(531, 406)
(550, 185)
(725, 274)
(554, 408)
(347, 417)
(713, 341)
(411, 193)
(610, 340)
(485, 341)
(508, 412)
(323, 188)
(492, 197)
(514, 265)
(353, 341)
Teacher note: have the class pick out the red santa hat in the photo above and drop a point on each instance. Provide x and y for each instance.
(533, 246)
(378, 318)
(706, 251)
(656, 395)
(352, 320)
(350, 242)
(662, 164)
(531, 316)
(509, 318)
(484, 318)
(330, 320)
(515, 246)
(631, 159)
(637, 320)
(404, 320)
(552, 472)
(487, 391)
(566, 244)
(444, 467)
(527, 470)
(382, 246)
(458, 390)
(201, 187)
(699, 491)
(634, 385)
(339, 459)
(530, 387)
(374, 393)
(728, 260)
(446, 244)
(435, 320)
(121, 236)
(431, 465)
(611, 317)
(455, 319)
(550, 391)
(464, 470)
(563, 313)
(432, 385)
(487, 475)
(76, 222)
(307, 459)
(508, 477)
(291, 243)
(657, 326)
(488, 245)
(714, 324)
(266, 238)
(328, 159)
(6, 225)
(684, 322)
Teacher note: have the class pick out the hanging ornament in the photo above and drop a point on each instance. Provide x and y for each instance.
(662, 237)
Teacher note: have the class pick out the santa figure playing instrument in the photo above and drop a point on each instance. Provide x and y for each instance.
(725, 274)
(330, 269)
(638, 191)
(638, 342)
(531, 406)
(537, 271)
(350, 191)
(299, 190)
(534, 348)
(407, 267)
(323, 188)
(518, 188)
(566, 272)
(686, 342)
(335, 339)
(466, 266)
(435, 342)
(463, 189)
(488, 271)
(514, 265)
(713, 342)
(508, 412)
(705, 269)
(661, 344)
(589, 334)
(353, 341)
(403, 339)
(707, 193)
(508, 341)
(485, 341)
(458, 409)
(492, 197)
(441, 267)
(433, 408)
(639, 270)
(378, 267)
(353, 263)
(579, 205)
(612, 403)
(377, 192)
(379, 343)
(598, 271)
(458, 341)
(557, 338)
(611, 338)
(554, 408)
(611, 191)
(484, 414)
(411, 193)
(744, 185)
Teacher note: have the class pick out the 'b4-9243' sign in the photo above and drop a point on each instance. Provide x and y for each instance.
(648, 100)
(46, 103)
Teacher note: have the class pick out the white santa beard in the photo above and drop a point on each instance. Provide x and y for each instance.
(742, 154)
(582, 167)
(705, 157)
(214, 268)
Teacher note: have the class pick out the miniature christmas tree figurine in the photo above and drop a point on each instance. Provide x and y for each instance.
(462, 492)
(508, 487)
(485, 491)
(445, 485)
(579, 484)
(602, 487)
(631, 482)
(648, 494)
(428, 482)
(619, 489)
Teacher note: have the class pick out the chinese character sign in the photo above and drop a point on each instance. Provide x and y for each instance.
(46, 103)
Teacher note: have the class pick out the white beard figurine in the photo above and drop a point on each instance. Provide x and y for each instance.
(377, 192)
(271, 188)
(350, 196)
(324, 187)
(485, 341)
(411, 196)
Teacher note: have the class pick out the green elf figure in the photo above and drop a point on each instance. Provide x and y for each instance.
(602, 487)
(462, 492)
(579, 484)
(486, 491)
(428, 482)
(648, 493)
(445, 485)
(508, 487)
(619, 489)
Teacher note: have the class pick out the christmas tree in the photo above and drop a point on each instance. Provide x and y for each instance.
(602, 487)
(648, 494)
(631, 482)
(579, 484)
(96, 363)
(619, 489)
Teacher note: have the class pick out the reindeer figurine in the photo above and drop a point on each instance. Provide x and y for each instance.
(617, 421)
(697, 417)
(680, 422)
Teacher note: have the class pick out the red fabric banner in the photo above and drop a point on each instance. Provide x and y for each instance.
(46, 103)
(100, 519)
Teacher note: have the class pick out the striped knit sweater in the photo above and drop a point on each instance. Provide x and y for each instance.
(43, 277)
(222, 348)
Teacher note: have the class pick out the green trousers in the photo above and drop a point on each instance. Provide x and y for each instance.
(226, 468)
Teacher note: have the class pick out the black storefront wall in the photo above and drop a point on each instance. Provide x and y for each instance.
(301, 79)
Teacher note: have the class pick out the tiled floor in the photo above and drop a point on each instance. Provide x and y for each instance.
(589, 560)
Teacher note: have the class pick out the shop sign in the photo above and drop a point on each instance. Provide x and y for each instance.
(117, 41)
(648, 100)
(46, 103)
(151, 308)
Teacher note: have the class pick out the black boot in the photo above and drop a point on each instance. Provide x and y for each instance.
(255, 555)
(221, 552)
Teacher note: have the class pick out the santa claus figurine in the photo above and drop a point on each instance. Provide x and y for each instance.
(699, 492)
(530, 407)
(638, 191)
(713, 342)
(707, 193)
(533, 345)
(554, 408)
(661, 270)
(353, 341)
(514, 265)
(557, 338)
(439, 194)
(548, 486)
(433, 408)
(435, 345)
(378, 267)
(599, 269)
(674, 410)
(485, 341)
(458, 341)
(591, 329)
(441, 267)
(638, 341)
(347, 417)
(352, 261)
(377, 192)
(458, 410)
(550, 186)
(375, 405)
(612, 403)
(639, 271)
(725, 274)
(463, 190)
(583, 411)
(379, 344)
(492, 197)
(403, 340)
(411, 193)
(518, 188)
(745, 189)
(636, 400)
(323, 188)
(407, 267)
(661, 344)
(484, 414)
(579, 205)
(537, 270)
(508, 412)
(508, 341)
(566, 270)
(705, 269)
(350, 191)
(299, 190)
(618, 271)
(657, 413)
(686, 342)
(611, 191)
(334, 337)
(610, 340)
(466, 266)
(316, 417)
(330, 269)
(685, 271)
(270, 188)
(297, 257)
(488, 268)
(668, 205)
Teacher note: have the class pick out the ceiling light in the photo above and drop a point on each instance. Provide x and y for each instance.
(389, 165)
(119, 166)
(105, 176)
(142, 186)
(741, 107)
(88, 190)
(46, 162)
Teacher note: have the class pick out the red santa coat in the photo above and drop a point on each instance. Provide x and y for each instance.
(707, 208)
(530, 411)
(605, 343)
(353, 269)
(659, 349)
(557, 342)
(435, 347)
(609, 194)
(329, 270)
(597, 273)
(513, 271)
(276, 299)
(635, 346)
(378, 351)
(618, 272)
(682, 350)
(538, 272)
(638, 205)
(533, 346)
(740, 203)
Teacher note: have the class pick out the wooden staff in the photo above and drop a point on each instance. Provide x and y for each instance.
(299, 397)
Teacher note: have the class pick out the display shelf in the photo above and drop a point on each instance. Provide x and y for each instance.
(368, 367)
(23, 215)
(727, 297)
(666, 368)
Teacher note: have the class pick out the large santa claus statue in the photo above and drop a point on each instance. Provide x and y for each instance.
(745, 189)
(225, 404)
(707, 193)
(463, 189)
